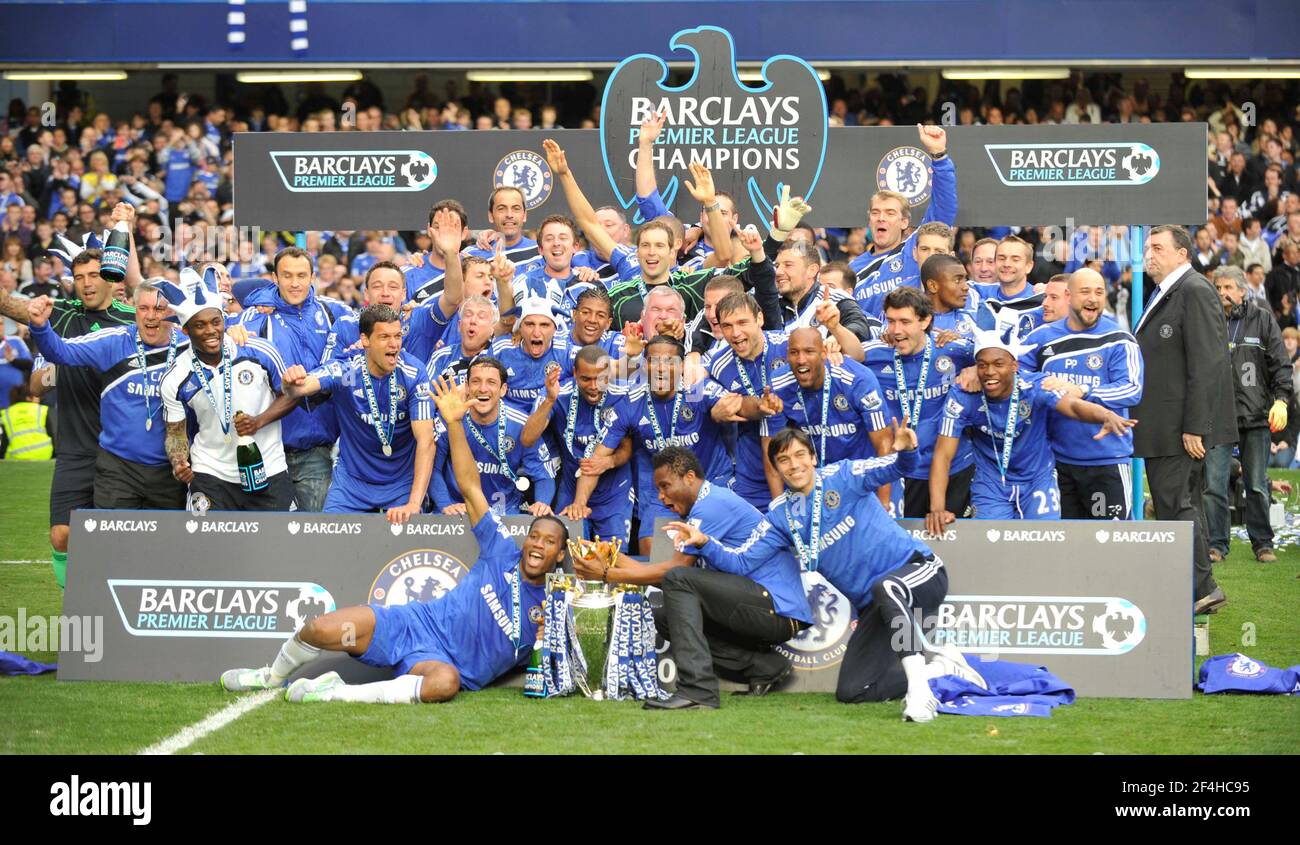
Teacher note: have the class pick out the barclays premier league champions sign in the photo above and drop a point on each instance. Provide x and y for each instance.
(753, 139)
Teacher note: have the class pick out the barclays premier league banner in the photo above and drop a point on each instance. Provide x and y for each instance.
(754, 137)
(183, 597)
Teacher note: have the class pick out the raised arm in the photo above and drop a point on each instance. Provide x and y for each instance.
(446, 240)
(583, 213)
(298, 382)
(540, 418)
(646, 188)
(452, 404)
(705, 194)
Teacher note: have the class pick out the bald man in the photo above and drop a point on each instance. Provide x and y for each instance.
(1087, 355)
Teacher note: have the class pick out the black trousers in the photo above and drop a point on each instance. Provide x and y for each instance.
(916, 494)
(887, 631)
(125, 485)
(1177, 484)
(717, 621)
(225, 496)
(1095, 492)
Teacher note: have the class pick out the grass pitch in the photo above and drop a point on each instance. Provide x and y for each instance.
(43, 716)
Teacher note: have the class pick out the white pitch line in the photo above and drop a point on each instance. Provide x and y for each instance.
(215, 722)
(24, 561)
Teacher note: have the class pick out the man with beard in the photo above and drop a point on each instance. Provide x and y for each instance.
(807, 302)
(467, 638)
(528, 358)
(1088, 356)
(752, 364)
(386, 437)
(663, 413)
(575, 416)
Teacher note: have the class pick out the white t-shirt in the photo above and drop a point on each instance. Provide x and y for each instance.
(254, 380)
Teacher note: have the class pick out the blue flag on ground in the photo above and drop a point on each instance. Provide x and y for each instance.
(1238, 673)
(1014, 689)
(16, 664)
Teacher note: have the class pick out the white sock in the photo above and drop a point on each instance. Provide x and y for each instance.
(293, 653)
(917, 677)
(404, 689)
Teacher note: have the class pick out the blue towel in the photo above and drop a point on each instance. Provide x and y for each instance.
(1238, 673)
(1014, 689)
(16, 664)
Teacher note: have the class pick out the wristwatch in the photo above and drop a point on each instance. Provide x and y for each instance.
(941, 155)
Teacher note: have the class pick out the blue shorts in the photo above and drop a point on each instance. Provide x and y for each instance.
(1037, 500)
(648, 512)
(402, 638)
(348, 496)
(607, 521)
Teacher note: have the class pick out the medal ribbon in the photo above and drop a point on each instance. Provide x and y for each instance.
(762, 366)
(201, 370)
(826, 409)
(571, 423)
(384, 433)
(1009, 434)
(500, 452)
(143, 364)
(912, 414)
(660, 441)
(808, 554)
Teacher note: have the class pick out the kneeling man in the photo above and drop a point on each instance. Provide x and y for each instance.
(479, 630)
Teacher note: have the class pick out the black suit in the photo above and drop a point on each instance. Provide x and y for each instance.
(1188, 389)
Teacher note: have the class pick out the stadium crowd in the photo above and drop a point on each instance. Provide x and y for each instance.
(938, 372)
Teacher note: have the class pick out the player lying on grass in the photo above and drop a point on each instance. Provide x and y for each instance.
(469, 637)
(832, 521)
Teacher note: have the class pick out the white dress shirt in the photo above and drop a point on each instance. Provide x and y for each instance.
(1161, 290)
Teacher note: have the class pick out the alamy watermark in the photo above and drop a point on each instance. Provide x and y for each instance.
(64, 634)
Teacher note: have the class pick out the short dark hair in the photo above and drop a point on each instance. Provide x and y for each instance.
(377, 314)
(736, 302)
(1182, 240)
(291, 252)
(786, 437)
(563, 220)
(449, 205)
(595, 292)
(679, 459)
(564, 529)
(670, 341)
(488, 361)
(937, 265)
(380, 265)
(86, 256)
(492, 197)
(724, 281)
(591, 354)
(909, 297)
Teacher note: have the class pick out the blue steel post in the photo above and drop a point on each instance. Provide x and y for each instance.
(1135, 313)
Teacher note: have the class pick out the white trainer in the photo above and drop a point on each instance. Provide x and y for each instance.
(948, 660)
(246, 680)
(920, 707)
(313, 689)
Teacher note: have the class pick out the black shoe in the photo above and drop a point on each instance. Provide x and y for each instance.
(1210, 603)
(677, 702)
(757, 688)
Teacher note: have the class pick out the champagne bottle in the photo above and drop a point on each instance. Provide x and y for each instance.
(534, 681)
(112, 266)
(252, 471)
